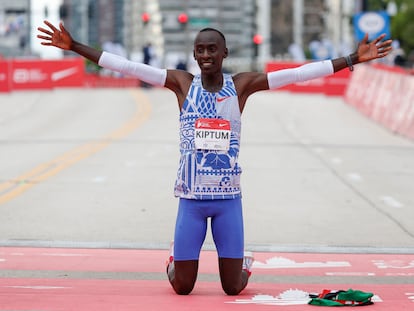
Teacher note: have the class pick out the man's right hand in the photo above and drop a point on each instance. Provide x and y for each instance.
(60, 38)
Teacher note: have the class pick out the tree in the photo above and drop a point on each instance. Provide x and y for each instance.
(402, 26)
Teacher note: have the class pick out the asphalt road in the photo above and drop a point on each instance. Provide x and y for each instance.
(96, 168)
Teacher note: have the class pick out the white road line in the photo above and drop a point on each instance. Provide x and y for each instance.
(130, 163)
(350, 273)
(336, 160)
(37, 287)
(305, 141)
(318, 150)
(210, 247)
(410, 296)
(354, 177)
(390, 201)
(100, 179)
(66, 255)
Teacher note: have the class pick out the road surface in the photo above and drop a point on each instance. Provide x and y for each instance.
(87, 206)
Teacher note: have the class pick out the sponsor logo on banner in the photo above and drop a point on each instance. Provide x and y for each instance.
(25, 76)
(29, 75)
(62, 74)
(69, 73)
(46, 74)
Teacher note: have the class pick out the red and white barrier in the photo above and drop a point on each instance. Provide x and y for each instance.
(48, 74)
(331, 85)
(4, 76)
(34, 74)
(384, 94)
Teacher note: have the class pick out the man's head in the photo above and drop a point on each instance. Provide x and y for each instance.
(210, 49)
(215, 30)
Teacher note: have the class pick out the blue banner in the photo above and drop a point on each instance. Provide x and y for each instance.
(373, 23)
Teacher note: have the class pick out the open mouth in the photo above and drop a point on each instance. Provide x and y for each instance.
(206, 65)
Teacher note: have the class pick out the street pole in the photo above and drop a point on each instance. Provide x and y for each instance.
(263, 28)
(187, 38)
(84, 29)
(298, 22)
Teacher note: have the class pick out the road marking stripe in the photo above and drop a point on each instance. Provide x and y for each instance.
(38, 287)
(336, 160)
(392, 202)
(12, 188)
(354, 177)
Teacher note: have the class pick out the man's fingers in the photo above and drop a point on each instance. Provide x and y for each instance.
(50, 25)
(44, 37)
(385, 44)
(386, 49)
(45, 31)
(379, 38)
(62, 28)
(365, 39)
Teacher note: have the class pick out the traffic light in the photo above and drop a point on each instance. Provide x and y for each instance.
(145, 17)
(257, 40)
(183, 19)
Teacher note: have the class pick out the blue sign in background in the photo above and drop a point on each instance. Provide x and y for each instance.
(373, 23)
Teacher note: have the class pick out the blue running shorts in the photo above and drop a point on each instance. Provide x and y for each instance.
(226, 227)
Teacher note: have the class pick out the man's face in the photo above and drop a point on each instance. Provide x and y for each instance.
(209, 51)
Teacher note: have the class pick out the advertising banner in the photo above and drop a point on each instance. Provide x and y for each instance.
(373, 23)
(35, 74)
(384, 94)
(4, 76)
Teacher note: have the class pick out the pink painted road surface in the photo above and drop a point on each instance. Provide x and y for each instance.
(51, 279)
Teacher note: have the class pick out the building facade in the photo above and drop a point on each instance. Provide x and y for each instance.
(120, 21)
(304, 22)
(15, 27)
(281, 23)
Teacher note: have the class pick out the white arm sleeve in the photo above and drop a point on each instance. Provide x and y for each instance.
(305, 72)
(146, 73)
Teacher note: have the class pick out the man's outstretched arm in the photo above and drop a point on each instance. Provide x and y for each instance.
(62, 39)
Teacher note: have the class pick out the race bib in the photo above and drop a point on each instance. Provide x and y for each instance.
(212, 134)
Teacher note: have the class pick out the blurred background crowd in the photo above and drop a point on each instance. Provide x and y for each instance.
(160, 32)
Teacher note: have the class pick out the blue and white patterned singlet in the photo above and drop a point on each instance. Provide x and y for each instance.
(209, 174)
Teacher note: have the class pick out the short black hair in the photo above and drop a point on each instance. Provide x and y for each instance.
(216, 30)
